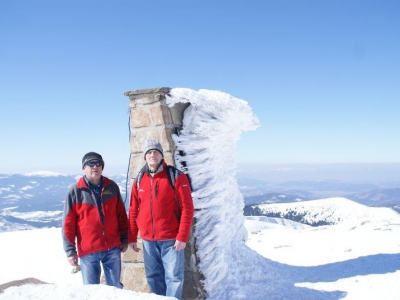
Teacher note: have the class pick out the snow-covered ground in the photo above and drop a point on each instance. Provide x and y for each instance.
(354, 262)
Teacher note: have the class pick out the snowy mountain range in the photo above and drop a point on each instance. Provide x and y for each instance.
(35, 200)
(258, 192)
(332, 211)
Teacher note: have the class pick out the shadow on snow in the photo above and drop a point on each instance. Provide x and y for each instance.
(278, 280)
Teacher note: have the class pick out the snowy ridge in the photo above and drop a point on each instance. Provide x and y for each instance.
(6, 225)
(212, 126)
(330, 211)
(44, 174)
(39, 216)
(268, 222)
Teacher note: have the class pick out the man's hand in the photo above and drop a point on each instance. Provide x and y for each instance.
(134, 247)
(124, 247)
(179, 245)
(73, 260)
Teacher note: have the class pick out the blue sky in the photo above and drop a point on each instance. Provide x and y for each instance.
(322, 76)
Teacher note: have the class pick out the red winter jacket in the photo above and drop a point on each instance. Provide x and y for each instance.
(82, 219)
(154, 211)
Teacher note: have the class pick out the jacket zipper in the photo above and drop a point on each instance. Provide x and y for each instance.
(103, 231)
(104, 215)
(151, 206)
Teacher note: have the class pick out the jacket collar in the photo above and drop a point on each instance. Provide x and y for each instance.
(160, 168)
(82, 183)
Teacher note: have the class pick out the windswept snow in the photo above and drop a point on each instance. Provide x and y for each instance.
(211, 127)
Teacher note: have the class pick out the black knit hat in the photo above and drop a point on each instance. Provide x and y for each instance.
(92, 156)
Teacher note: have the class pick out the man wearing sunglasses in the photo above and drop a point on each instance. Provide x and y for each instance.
(95, 224)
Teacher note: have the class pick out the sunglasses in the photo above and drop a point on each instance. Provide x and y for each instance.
(93, 163)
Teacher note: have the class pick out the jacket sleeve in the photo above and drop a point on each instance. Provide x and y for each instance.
(122, 218)
(69, 223)
(133, 214)
(184, 195)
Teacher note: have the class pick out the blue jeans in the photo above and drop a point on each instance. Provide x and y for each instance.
(165, 267)
(111, 261)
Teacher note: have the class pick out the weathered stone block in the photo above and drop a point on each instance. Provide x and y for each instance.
(133, 277)
(149, 99)
(160, 115)
(169, 159)
(140, 118)
(166, 140)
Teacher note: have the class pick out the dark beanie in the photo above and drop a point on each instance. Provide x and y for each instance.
(91, 156)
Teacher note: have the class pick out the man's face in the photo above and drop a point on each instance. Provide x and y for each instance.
(153, 159)
(93, 170)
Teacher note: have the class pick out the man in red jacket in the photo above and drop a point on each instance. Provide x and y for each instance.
(95, 217)
(163, 214)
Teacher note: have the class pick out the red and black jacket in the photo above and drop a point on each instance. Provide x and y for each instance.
(82, 227)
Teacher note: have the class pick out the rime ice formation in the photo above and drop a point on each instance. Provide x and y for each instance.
(211, 128)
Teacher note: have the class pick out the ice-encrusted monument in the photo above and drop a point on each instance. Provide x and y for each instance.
(198, 131)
